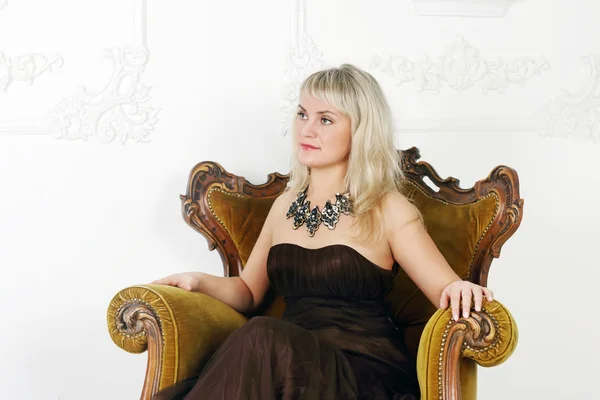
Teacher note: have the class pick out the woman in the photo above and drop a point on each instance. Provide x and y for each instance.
(335, 340)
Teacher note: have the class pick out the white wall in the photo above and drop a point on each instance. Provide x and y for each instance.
(81, 219)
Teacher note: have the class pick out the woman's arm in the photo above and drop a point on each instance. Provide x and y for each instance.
(417, 254)
(243, 293)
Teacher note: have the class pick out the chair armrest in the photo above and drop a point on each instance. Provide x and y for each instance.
(487, 337)
(180, 329)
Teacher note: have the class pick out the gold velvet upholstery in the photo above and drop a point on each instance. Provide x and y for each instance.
(242, 217)
(181, 329)
(192, 325)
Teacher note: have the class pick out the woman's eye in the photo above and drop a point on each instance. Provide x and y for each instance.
(301, 114)
(326, 121)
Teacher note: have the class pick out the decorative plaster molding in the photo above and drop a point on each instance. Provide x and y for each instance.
(460, 68)
(26, 67)
(463, 8)
(303, 58)
(119, 110)
(575, 114)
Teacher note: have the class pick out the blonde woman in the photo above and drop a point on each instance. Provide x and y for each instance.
(330, 246)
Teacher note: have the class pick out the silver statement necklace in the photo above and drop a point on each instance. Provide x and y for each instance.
(329, 216)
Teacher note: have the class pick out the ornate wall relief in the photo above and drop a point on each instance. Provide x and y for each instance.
(462, 67)
(118, 111)
(25, 68)
(575, 114)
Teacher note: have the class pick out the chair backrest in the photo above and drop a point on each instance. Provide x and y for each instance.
(469, 226)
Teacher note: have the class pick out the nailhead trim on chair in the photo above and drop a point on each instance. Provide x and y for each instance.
(485, 230)
(440, 380)
(443, 344)
(209, 195)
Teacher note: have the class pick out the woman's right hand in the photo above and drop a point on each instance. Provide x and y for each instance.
(189, 281)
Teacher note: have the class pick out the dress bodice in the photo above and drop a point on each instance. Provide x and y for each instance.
(340, 295)
(335, 270)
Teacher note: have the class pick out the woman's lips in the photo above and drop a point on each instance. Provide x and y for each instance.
(308, 147)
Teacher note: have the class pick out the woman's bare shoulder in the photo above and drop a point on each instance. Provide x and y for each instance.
(398, 209)
(281, 204)
(285, 198)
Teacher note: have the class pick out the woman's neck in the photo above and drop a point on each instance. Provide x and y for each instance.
(324, 183)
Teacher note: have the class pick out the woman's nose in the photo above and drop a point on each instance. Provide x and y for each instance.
(309, 129)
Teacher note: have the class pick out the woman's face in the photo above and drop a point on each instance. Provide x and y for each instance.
(323, 136)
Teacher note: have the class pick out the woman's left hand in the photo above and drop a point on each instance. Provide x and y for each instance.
(465, 291)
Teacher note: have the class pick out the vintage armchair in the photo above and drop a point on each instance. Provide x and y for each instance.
(180, 329)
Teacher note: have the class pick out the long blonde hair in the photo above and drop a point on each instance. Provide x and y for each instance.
(374, 164)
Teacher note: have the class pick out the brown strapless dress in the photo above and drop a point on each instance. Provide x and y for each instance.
(335, 340)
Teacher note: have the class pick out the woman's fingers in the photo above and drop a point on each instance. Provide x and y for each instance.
(467, 294)
(455, 300)
(489, 294)
(463, 297)
(460, 297)
(444, 299)
(169, 280)
(477, 298)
